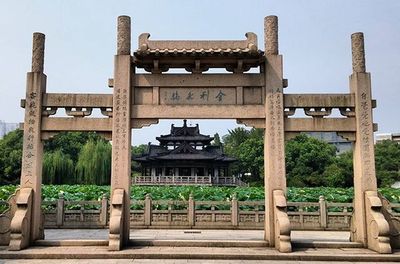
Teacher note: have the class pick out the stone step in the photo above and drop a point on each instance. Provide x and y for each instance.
(210, 253)
(198, 243)
(326, 244)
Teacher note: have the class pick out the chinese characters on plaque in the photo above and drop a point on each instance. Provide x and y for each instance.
(198, 96)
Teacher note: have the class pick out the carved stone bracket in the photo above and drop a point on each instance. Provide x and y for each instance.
(290, 111)
(317, 111)
(143, 122)
(282, 223)
(377, 227)
(347, 111)
(350, 136)
(255, 122)
(48, 111)
(115, 237)
(78, 111)
(20, 224)
(106, 111)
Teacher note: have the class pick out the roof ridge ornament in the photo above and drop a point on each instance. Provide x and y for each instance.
(249, 44)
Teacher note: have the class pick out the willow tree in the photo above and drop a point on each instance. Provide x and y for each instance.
(94, 163)
(58, 168)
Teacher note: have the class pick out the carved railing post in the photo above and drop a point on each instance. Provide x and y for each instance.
(323, 212)
(60, 210)
(148, 208)
(274, 148)
(191, 210)
(116, 220)
(121, 133)
(368, 224)
(104, 210)
(235, 211)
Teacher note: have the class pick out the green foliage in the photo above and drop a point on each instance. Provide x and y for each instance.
(94, 163)
(340, 172)
(70, 143)
(58, 168)
(136, 152)
(306, 160)
(387, 160)
(217, 140)
(10, 157)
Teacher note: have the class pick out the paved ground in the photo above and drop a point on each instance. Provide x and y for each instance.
(166, 261)
(194, 234)
(186, 254)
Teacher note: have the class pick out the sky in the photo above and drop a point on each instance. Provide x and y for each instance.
(314, 39)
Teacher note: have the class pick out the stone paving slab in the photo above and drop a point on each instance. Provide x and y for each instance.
(194, 234)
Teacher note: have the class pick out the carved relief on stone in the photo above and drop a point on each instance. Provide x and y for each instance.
(78, 111)
(20, 224)
(347, 111)
(38, 52)
(124, 35)
(358, 53)
(318, 111)
(117, 207)
(271, 35)
(377, 227)
(282, 222)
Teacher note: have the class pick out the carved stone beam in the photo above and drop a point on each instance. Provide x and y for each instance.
(282, 223)
(347, 111)
(377, 227)
(21, 222)
(106, 111)
(117, 200)
(349, 136)
(79, 111)
(48, 111)
(252, 122)
(317, 111)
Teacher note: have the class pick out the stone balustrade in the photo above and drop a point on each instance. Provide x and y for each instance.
(229, 214)
(187, 180)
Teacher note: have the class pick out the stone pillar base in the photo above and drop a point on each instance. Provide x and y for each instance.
(282, 223)
(116, 220)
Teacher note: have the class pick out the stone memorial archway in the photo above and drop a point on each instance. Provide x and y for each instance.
(254, 99)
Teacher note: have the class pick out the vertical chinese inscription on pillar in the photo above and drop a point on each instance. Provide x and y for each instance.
(30, 155)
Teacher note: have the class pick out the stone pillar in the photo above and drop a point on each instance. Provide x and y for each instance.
(276, 231)
(121, 139)
(26, 226)
(368, 224)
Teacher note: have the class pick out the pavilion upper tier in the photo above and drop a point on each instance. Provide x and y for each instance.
(197, 56)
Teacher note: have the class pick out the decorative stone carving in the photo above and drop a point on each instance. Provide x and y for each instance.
(78, 111)
(117, 210)
(282, 223)
(48, 111)
(357, 51)
(124, 35)
(143, 122)
(290, 111)
(20, 224)
(271, 35)
(377, 227)
(106, 111)
(318, 111)
(394, 222)
(38, 52)
(347, 111)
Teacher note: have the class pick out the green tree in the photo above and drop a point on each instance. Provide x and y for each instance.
(10, 157)
(70, 143)
(217, 140)
(387, 162)
(136, 152)
(250, 154)
(306, 160)
(340, 172)
(94, 163)
(58, 168)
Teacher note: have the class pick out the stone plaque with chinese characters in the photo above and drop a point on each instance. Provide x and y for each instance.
(197, 96)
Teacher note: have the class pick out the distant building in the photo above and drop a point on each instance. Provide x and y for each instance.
(341, 144)
(185, 157)
(6, 128)
(388, 136)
